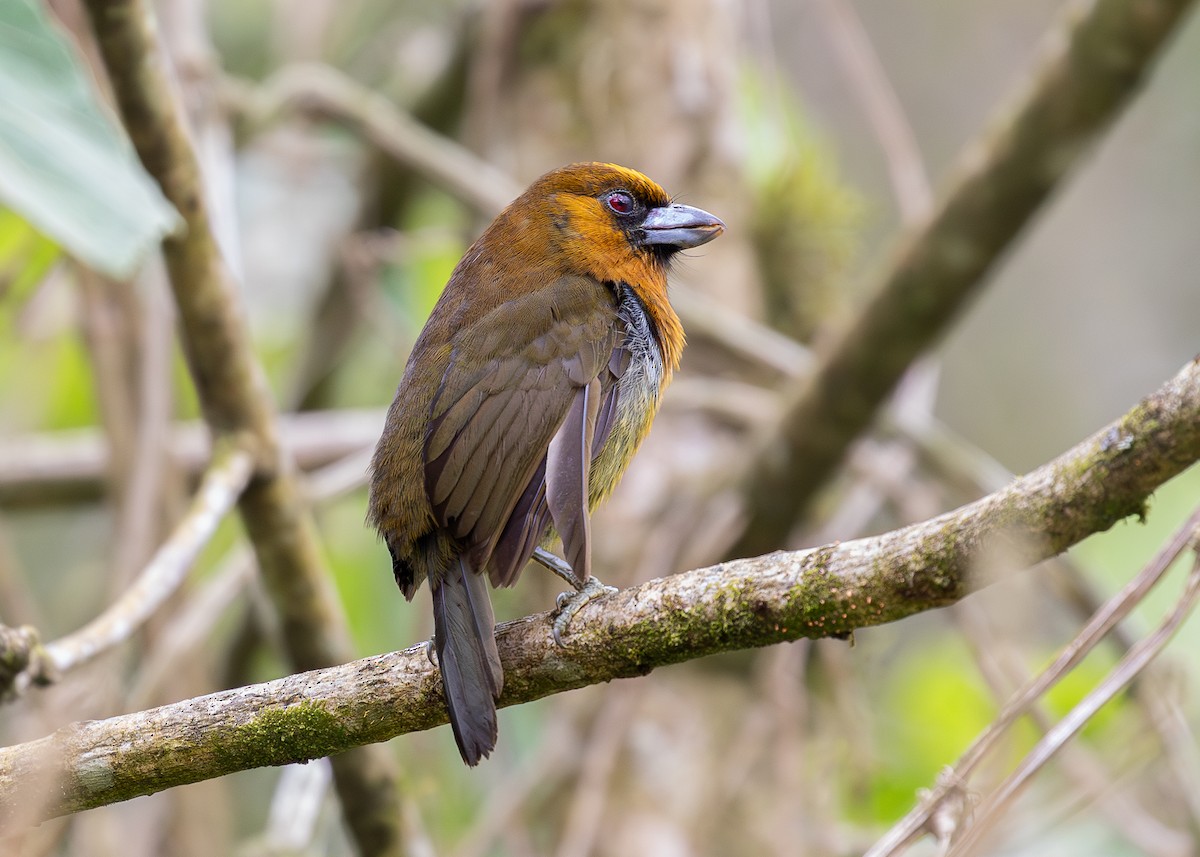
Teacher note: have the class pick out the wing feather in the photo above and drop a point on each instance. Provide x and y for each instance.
(527, 525)
(492, 424)
(568, 464)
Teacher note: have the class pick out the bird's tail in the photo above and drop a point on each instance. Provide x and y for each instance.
(465, 637)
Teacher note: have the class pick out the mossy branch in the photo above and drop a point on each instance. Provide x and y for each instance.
(825, 591)
(1092, 66)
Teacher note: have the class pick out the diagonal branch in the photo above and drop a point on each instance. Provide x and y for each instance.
(826, 591)
(321, 91)
(1128, 669)
(1094, 64)
(223, 483)
(1100, 625)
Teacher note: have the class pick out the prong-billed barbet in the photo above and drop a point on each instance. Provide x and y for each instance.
(524, 399)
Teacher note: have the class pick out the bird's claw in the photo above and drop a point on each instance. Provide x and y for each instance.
(431, 653)
(570, 603)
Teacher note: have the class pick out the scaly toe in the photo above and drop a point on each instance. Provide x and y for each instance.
(555, 564)
(570, 603)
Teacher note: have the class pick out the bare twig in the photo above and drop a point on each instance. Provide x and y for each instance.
(1093, 64)
(70, 465)
(191, 625)
(224, 482)
(744, 603)
(1133, 663)
(997, 664)
(958, 461)
(1119, 606)
(195, 620)
(870, 84)
(322, 91)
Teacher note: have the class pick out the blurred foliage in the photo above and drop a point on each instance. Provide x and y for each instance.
(26, 257)
(59, 395)
(805, 220)
(63, 164)
(938, 707)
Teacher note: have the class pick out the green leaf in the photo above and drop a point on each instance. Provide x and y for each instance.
(64, 166)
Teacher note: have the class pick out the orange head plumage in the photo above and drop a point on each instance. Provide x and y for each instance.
(525, 396)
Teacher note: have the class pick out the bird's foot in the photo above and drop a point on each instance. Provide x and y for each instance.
(570, 603)
(431, 652)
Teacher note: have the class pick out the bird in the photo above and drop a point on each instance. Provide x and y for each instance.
(525, 396)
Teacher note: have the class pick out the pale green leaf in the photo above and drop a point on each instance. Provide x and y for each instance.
(64, 164)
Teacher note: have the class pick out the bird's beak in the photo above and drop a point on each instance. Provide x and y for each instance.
(680, 226)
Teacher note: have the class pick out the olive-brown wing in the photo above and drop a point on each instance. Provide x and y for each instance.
(531, 518)
(510, 383)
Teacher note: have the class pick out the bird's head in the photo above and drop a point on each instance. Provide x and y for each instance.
(602, 221)
(616, 224)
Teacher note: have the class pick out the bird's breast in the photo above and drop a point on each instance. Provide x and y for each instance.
(639, 389)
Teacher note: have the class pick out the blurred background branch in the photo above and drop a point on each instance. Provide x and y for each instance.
(71, 466)
(223, 483)
(1089, 70)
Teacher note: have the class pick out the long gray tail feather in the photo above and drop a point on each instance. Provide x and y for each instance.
(465, 637)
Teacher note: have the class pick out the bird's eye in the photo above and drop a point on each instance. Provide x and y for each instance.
(620, 202)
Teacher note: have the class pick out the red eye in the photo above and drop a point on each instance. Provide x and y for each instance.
(620, 202)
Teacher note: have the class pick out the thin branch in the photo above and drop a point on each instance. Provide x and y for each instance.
(1093, 64)
(870, 84)
(1125, 672)
(1117, 608)
(226, 478)
(959, 461)
(324, 92)
(193, 622)
(1000, 668)
(826, 591)
(70, 465)
(191, 625)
